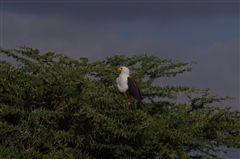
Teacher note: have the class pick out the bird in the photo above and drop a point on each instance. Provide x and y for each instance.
(128, 85)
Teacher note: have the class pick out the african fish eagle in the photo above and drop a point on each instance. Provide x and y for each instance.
(128, 85)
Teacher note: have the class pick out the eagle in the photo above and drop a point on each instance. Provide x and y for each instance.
(128, 85)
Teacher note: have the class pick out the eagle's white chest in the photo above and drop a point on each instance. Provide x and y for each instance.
(122, 83)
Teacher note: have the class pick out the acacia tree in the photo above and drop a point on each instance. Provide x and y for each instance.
(56, 107)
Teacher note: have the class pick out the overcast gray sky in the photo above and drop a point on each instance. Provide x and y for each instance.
(206, 32)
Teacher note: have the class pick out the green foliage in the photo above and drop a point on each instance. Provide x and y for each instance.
(56, 107)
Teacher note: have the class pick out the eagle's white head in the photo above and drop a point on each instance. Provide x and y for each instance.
(124, 70)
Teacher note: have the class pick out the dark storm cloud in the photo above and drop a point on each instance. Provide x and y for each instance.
(124, 10)
(52, 33)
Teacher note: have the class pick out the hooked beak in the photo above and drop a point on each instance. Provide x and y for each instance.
(119, 69)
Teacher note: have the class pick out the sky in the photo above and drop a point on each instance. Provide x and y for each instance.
(203, 31)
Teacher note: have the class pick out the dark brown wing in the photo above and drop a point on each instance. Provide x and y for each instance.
(134, 91)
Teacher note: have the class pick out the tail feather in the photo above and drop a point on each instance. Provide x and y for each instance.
(139, 104)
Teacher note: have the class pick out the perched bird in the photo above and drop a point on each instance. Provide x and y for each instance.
(129, 86)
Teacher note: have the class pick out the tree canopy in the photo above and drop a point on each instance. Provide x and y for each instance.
(53, 106)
